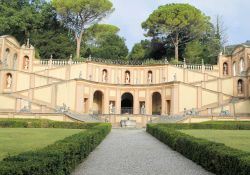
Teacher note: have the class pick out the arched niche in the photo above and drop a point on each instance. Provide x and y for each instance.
(104, 75)
(240, 86)
(127, 77)
(26, 62)
(150, 77)
(225, 68)
(8, 81)
(156, 103)
(98, 102)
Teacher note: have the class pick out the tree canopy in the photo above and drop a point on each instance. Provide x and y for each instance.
(103, 41)
(79, 15)
(176, 23)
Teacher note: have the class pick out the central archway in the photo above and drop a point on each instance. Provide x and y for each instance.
(127, 103)
(98, 102)
(156, 103)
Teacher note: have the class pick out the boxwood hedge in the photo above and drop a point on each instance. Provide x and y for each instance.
(59, 158)
(214, 157)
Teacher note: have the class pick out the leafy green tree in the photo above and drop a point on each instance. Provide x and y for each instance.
(178, 23)
(137, 52)
(19, 18)
(194, 52)
(103, 41)
(77, 15)
(36, 20)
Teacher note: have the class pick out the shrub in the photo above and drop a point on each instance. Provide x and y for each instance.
(59, 158)
(214, 157)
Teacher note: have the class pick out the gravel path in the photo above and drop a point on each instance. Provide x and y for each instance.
(135, 152)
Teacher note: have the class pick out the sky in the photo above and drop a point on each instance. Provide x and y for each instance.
(129, 14)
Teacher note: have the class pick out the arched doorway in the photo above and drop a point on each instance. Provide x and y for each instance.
(225, 69)
(98, 102)
(156, 103)
(127, 103)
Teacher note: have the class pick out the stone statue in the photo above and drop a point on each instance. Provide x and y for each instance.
(80, 75)
(9, 81)
(149, 77)
(175, 77)
(104, 76)
(111, 108)
(143, 108)
(26, 64)
(240, 88)
(127, 78)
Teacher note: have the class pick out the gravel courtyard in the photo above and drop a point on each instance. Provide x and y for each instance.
(135, 152)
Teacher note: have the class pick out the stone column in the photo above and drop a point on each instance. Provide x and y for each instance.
(90, 105)
(199, 97)
(174, 99)
(163, 101)
(136, 102)
(106, 102)
(148, 102)
(54, 96)
(118, 102)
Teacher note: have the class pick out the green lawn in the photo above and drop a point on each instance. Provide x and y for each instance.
(16, 140)
(239, 139)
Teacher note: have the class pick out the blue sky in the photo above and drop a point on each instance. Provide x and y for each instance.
(129, 14)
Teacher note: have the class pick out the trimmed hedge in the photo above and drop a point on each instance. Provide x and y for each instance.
(59, 158)
(36, 123)
(214, 157)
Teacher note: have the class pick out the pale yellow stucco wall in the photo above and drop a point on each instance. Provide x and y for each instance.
(43, 94)
(208, 97)
(227, 86)
(23, 81)
(7, 102)
(187, 97)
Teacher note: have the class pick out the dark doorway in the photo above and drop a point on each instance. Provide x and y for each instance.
(156, 103)
(127, 103)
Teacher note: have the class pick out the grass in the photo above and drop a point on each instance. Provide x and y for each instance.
(239, 139)
(16, 140)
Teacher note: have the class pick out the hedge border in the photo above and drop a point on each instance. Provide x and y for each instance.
(212, 156)
(59, 158)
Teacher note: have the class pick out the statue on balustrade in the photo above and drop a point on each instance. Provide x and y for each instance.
(26, 63)
(104, 76)
(9, 81)
(127, 78)
(150, 77)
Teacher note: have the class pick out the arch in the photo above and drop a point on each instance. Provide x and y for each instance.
(98, 102)
(156, 103)
(234, 69)
(242, 65)
(127, 77)
(15, 61)
(8, 80)
(225, 68)
(26, 61)
(240, 86)
(150, 76)
(104, 75)
(127, 103)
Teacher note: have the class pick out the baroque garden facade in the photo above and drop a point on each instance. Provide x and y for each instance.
(78, 90)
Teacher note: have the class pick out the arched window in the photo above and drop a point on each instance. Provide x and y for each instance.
(26, 62)
(14, 61)
(240, 86)
(6, 57)
(225, 69)
(234, 69)
(127, 77)
(150, 77)
(242, 65)
(104, 75)
(8, 80)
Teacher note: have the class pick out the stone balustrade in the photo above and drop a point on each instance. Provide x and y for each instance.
(51, 62)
